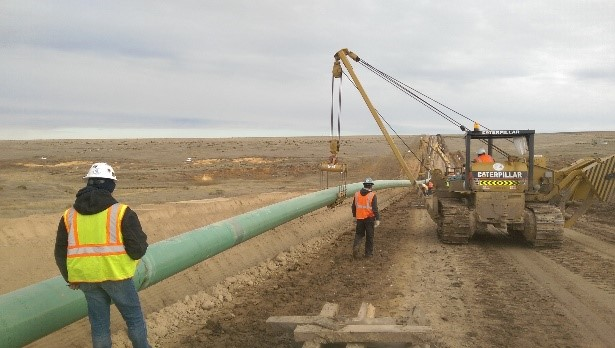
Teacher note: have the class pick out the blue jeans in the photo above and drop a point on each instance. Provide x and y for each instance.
(126, 299)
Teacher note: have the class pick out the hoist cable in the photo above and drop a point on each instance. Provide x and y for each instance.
(339, 113)
(390, 127)
(424, 95)
(332, 99)
(499, 150)
(402, 140)
(413, 93)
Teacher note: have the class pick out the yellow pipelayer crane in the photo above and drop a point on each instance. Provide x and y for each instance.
(516, 193)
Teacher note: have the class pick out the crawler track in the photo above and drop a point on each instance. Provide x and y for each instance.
(544, 225)
(454, 221)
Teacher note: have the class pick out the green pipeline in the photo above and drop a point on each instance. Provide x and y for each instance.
(33, 312)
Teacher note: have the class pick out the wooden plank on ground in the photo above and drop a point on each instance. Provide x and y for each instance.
(311, 344)
(356, 332)
(324, 319)
(329, 310)
(367, 311)
(363, 333)
(290, 322)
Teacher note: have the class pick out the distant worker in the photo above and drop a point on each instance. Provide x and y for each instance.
(424, 189)
(483, 157)
(365, 211)
(429, 188)
(98, 244)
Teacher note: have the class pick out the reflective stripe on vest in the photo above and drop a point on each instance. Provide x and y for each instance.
(96, 253)
(363, 205)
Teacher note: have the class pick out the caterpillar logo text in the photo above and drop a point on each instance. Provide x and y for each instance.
(500, 175)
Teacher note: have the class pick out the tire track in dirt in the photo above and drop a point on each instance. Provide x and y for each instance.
(589, 264)
(494, 303)
(607, 250)
(473, 295)
(589, 307)
(601, 231)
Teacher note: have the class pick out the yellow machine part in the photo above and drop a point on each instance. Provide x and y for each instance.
(600, 176)
(510, 183)
(335, 168)
(500, 207)
(584, 178)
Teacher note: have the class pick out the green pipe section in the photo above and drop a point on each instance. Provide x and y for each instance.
(33, 312)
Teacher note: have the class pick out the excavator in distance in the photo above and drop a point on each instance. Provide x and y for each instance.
(517, 193)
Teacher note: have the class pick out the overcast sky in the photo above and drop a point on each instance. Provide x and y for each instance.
(140, 69)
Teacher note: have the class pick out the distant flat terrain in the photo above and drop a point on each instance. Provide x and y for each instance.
(491, 292)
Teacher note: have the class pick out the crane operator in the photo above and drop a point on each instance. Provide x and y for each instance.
(483, 157)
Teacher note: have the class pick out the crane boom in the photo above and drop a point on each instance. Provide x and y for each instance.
(342, 56)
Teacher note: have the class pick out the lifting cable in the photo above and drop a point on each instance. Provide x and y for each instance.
(421, 161)
(339, 110)
(415, 95)
(334, 146)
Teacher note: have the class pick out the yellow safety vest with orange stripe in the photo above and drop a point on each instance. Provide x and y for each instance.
(96, 247)
(363, 205)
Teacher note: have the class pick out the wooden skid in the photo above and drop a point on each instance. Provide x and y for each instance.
(362, 333)
(327, 327)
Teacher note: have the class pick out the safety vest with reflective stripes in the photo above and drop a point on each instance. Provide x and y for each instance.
(363, 205)
(96, 247)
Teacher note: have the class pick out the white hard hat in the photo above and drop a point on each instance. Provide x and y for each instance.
(368, 181)
(101, 170)
(481, 151)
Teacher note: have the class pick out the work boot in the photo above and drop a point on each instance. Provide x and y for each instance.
(356, 251)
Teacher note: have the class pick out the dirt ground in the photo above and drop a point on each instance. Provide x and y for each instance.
(493, 292)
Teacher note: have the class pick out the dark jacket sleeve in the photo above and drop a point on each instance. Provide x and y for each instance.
(135, 240)
(375, 207)
(354, 208)
(60, 249)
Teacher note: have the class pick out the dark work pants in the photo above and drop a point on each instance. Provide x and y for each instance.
(365, 228)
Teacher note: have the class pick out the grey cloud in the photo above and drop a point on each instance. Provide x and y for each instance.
(266, 65)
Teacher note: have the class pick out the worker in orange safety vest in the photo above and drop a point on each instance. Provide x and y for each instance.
(365, 212)
(483, 157)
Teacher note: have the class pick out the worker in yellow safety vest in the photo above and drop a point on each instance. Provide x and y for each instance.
(365, 212)
(98, 244)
